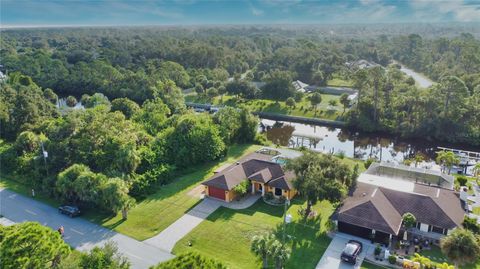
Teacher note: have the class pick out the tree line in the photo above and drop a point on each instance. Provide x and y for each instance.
(105, 154)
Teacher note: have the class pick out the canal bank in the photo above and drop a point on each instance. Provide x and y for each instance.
(354, 144)
(304, 120)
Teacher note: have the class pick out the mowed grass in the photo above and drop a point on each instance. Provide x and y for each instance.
(302, 109)
(226, 235)
(476, 210)
(8, 182)
(153, 214)
(367, 265)
(339, 82)
(435, 254)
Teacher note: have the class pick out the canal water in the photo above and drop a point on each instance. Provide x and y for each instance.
(353, 144)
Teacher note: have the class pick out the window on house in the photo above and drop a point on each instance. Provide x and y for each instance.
(278, 191)
(437, 230)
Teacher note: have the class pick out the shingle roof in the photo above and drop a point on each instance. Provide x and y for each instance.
(283, 182)
(255, 167)
(382, 209)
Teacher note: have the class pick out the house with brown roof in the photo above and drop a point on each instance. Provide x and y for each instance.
(375, 209)
(260, 170)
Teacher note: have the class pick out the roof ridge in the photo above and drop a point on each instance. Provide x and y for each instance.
(441, 208)
(369, 201)
(396, 210)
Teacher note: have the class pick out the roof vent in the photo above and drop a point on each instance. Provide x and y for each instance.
(238, 163)
(364, 194)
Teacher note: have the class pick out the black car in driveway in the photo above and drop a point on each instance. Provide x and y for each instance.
(71, 211)
(351, 251)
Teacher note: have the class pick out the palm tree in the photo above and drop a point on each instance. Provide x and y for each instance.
(460, 246)
(447, 159)
(315, 99)
(476, 170)
(261, 247)
(418, 158)
(280, 253)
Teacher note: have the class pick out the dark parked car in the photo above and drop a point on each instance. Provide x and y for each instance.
(351, 251)
(69, 210)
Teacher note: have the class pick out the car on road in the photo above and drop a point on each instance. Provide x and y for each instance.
(351, 251)
(69, 210)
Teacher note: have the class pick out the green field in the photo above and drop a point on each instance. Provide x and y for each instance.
(303, 109)
(339, 82)
(227, 233)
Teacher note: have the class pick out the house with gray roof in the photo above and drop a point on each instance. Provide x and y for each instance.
(376, 207)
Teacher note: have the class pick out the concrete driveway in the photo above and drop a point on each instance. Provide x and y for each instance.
(79, 233)
(331, 257)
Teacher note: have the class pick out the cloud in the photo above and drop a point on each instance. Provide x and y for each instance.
(147, 7)
(458, 10)
(347, 13)
(255, 11)
(369, 2)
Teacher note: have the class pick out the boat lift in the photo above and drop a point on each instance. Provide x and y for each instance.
(467, 158)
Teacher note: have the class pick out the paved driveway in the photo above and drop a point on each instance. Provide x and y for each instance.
(331, 257)
(79, 233)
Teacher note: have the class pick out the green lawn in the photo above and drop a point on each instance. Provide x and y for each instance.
(8, 183)
(436, 255)
(367, 265)
(476, 210)
(302, 109)
(227, 233)
(338, 82)
(152, 215)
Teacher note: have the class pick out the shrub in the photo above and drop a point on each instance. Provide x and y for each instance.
(368, 162)
(378, 250)
(71, 101)
(191, 260)
(462, 180)
(242, 188)
(471, 224)
(392, 259)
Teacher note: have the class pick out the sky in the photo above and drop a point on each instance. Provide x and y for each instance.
(27, 13)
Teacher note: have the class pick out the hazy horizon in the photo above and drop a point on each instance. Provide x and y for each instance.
(54, 13)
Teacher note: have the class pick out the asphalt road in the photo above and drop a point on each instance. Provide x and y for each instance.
(79, 233)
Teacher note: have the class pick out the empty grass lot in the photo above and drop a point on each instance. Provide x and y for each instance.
(302, 109)
(227, 233)
(155, 213)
